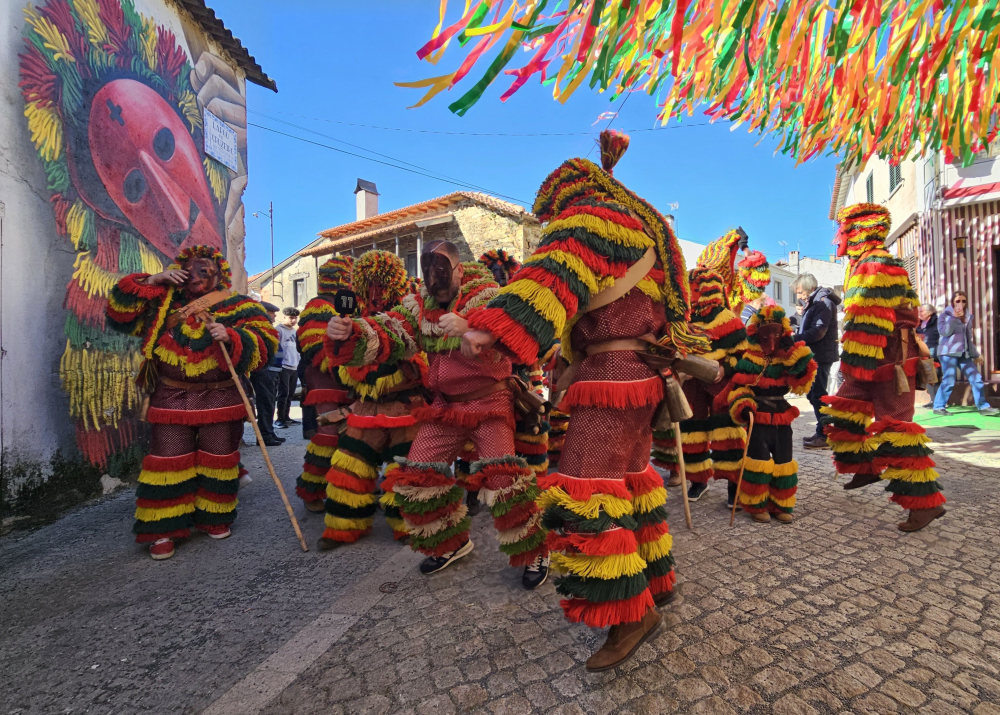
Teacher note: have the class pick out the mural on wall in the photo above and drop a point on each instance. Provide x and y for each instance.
(115, 108)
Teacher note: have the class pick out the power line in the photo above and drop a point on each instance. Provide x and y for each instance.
(385, 163)
(476, 134)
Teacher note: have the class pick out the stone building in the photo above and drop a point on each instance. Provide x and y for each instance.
(475, 222)
(122, 140)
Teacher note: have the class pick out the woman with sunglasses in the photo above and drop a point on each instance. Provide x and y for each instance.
(957, 352)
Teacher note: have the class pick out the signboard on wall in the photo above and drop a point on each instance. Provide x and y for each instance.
(220, 140)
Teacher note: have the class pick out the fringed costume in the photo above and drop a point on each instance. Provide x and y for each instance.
(870, 420)
(472, 404)
(324, 390)
(191, 475)
(605, 504)
(386, 389)
(712, 443)
(773, 365)
(753, 275)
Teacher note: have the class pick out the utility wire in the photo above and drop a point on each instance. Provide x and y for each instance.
(476, 134)
(462, 184)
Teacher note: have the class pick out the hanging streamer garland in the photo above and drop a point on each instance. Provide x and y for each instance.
(852, 77)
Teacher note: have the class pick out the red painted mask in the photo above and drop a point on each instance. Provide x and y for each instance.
(768, 337)
(203, 276)
(150, 167)
(841, 243)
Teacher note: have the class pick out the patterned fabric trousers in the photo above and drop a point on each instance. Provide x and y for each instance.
(188, 479)
(605, 509)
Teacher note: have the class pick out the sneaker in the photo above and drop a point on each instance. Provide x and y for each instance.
(941, 411)
(245, 480)
(217, 531)
(280, 424)
(926, 406)
(290, 421)
(433, 564)
(535, 573)
(816, 442)
(731, 496)
(472, 503)
(695, 490)
(989, 412)
(161, 549)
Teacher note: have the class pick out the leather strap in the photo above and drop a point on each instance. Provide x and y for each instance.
(905, 334)
(198, 305)
(196, 386)
(636, 272)
(497, 386)
(620, 345)
(402, 387)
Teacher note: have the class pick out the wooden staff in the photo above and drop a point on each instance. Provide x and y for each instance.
(743, 464)
(263, 449)
(683, 469)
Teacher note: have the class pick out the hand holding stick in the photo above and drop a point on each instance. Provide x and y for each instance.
(743, 464)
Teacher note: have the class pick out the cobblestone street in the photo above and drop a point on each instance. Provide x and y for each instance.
(838, 612)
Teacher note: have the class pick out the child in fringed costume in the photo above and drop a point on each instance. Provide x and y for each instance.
(772, 365)
(607, 276)
(191, 475)
(871, 429)
(713, 443)
(324, 390)
(473, 402)
(385, 394)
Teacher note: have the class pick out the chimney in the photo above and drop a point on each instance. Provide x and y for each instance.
(671, 221)
(367, 199)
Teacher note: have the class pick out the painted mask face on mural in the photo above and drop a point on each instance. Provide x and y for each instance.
(203, 276)
(768, 337)
(150, 167)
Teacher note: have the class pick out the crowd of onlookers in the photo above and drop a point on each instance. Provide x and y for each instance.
(274, 387)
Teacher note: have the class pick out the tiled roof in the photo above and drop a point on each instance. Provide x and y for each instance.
(213, 26)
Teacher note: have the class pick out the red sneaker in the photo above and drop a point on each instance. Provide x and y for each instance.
(217, 531)
(161, 549)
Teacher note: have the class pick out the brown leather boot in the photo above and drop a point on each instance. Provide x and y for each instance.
(674, 481)
(862, 480)
(784, 517)
(315, 506)
(761, 516)
(665, 597)
(623, 641)
(919, 518)
(325, 544)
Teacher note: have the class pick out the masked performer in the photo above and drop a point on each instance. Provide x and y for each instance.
(473, 401)
(186, 316)
(773, 365)
(607, 277)
(871, 429)
(324, 391)
(385, 391)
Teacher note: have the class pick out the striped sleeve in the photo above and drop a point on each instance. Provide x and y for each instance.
(132, 302)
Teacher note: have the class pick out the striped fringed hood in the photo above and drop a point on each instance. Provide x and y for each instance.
(790, 366)
(423, 311)
(498, 256)
(710, 312)
(753, 274)
(383, 271)
(596, 229)
(876, 286)
(334, 275)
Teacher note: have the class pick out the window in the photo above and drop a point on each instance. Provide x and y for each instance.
(411, 264)
(895, 176)
(870, 188)
(777, 291)
(298, 292)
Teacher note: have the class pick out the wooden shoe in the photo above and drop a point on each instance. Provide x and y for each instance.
(623, 641)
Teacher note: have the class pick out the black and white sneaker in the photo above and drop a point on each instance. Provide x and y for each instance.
(433, 564)
(695, 490)
(731, 498)
(535, 573)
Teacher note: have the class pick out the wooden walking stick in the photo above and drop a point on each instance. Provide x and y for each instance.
(263, 449)
(683, 470)
(743, 464)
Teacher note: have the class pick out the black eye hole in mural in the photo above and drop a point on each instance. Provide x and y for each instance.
(163, 144)
(134, 186)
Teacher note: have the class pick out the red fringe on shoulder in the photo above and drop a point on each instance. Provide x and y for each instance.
(607, 613)
(582, 489)
(614, 395)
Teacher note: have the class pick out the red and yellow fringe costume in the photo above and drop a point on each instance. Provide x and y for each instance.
(325, 391)
(759, 385)
(191, 474)
(424, 488)
(871, 429)
(605, 506)
(386, 390)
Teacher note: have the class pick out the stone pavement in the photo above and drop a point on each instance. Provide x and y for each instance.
(838, 612)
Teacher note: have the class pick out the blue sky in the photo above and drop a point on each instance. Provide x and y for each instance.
(337, 61)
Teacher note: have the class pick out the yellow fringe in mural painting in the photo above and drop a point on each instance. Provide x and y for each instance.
(52, 39)
(88, 12)
(353, 465)
(603, 567)
(92, 278)
(151, 264)
(218, 182)
(188, 104)
(46, 130)
(100, 384)
(76, 222)
(148, 43)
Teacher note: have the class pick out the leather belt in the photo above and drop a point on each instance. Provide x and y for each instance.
(402, 387)
(196, 386)
(497, 386)
(609, 346)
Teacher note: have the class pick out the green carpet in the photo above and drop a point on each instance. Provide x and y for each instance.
(967, 417)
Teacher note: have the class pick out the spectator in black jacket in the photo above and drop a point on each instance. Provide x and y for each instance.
(818, 330)
(928, 330)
